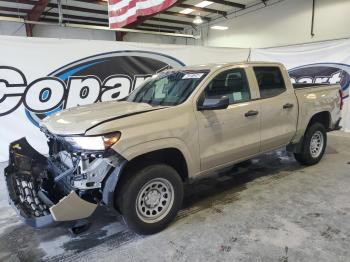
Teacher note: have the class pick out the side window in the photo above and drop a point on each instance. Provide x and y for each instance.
(270, 81)
(231, 83)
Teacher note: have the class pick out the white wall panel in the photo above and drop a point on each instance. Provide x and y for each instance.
(284, 23)
(72, 33)
(11, 28)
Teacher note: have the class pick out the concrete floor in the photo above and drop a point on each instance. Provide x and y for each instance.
(273, 210)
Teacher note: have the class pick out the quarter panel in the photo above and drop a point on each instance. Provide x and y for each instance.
(314, 100)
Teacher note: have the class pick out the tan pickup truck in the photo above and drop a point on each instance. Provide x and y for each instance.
(135, 155)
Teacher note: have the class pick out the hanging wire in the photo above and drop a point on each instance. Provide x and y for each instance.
(19, 17)
(18, 10)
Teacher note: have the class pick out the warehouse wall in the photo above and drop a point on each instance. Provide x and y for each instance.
(283, 23)
(11, 28)
(72, 33)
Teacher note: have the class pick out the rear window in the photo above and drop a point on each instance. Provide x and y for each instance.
(270, 81)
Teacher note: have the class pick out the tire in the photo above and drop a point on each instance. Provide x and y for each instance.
(314, 145)
(150, 198)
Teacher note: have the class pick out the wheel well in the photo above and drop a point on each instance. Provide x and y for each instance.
(170, 156)
(322, 117)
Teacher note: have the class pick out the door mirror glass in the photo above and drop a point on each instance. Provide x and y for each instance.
(213, 103)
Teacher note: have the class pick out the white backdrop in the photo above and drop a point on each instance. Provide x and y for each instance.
(45, 75)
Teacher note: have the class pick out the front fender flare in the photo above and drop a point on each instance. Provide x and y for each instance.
(193, 163)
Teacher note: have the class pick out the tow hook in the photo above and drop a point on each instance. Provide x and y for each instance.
(79, 226)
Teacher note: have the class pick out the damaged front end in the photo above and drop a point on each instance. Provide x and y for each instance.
(66, 186)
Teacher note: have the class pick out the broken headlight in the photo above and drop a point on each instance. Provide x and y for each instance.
(93, 142)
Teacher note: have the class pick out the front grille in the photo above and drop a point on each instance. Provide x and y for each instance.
(24, 178)
(27, 192)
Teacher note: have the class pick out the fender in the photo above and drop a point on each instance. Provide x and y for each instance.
(193, 165)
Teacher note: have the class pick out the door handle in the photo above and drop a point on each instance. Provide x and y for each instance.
(251, 113)
(287, 106)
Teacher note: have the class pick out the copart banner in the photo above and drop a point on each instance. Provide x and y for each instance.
(326, 62)
(39, 77)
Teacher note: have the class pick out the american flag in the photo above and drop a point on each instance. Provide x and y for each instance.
(124, 12)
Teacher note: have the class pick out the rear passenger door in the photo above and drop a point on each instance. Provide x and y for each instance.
(279, 108)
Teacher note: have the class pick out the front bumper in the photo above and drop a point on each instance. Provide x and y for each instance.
(34, 195)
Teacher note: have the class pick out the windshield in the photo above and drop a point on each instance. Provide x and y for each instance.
(168, 88)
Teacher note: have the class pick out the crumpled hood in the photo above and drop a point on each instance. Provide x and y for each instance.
(77, 120)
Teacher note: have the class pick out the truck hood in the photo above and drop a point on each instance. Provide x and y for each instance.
(77, 120)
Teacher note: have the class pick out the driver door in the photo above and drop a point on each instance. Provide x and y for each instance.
(228, 135)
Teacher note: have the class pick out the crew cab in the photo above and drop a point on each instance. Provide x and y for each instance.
(135, 155)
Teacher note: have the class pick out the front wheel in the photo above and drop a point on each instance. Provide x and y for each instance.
(314, 145)
(150, 198)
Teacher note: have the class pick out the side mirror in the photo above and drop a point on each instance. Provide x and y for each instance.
(214, 103)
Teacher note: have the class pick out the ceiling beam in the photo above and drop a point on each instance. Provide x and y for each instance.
(228, 3)
(176, 28)
(169, 21)
(97, 2)
(152, 30)
(37, 10)
(119, 36)
(80, 9)
(182, 15)
(14, 10)
(67, 20)
(92, 21)
(78, 17)
(28, 2)
(10, 15)
(203, 9)
(35, 14)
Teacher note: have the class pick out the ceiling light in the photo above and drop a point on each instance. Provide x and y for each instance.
(197, 20)
(203, 4)
(186, 11)
(219, 27)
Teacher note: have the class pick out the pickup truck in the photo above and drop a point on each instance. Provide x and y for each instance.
(135, 155)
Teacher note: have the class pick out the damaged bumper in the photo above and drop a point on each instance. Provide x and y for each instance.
(33, 193)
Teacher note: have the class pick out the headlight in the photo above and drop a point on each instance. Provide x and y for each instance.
(94, 142)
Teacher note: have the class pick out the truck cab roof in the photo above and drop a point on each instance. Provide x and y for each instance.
(217, 66)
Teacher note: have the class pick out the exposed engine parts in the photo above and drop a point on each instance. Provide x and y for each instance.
(92, 171)
(84, 171)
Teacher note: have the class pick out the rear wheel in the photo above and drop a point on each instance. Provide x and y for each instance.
(150, 198)
(314, 145)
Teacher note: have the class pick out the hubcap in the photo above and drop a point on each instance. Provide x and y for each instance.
(316, 144)
(155, 200)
